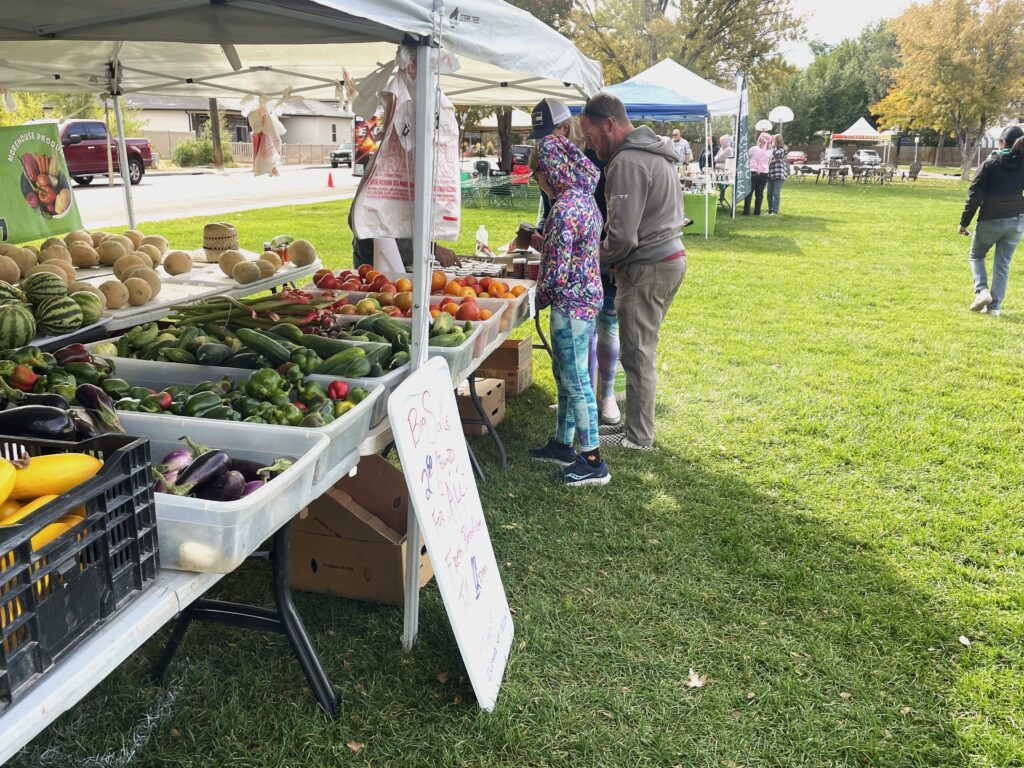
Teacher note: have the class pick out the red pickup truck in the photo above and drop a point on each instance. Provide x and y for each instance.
(85, 149)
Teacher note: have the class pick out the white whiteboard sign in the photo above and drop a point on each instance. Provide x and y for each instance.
(428, 435)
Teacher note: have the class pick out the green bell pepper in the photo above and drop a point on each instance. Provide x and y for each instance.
(266, 384)
(356, 395)
(84, 373)
(310, 392)
(116, 388)
(30, 356)
(306, 359)
(201, 402)
(222, 412)
(287, 415)
(128, 404)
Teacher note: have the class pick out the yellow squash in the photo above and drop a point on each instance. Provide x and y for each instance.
(6, 480)
(10, 506)
(26, 510)
(53, 474)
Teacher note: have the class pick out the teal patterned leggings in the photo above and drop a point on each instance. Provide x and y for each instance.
(577, 407)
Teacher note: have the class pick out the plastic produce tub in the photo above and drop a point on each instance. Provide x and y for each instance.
(345, 434)
(156, 370)
(216, 536)
(54, 597)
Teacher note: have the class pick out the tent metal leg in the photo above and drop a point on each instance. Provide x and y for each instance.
(475, 463)
(485, 422)
(283, 619)
(543, 339)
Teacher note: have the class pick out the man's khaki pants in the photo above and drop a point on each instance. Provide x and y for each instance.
(644, 294)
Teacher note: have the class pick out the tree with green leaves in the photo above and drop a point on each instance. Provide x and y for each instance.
(959, 69)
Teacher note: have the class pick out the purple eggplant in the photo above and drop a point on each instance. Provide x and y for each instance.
(45, 398)
(98, 403)
(85, 428)
(252, 486)
(42, 421)
(167, 480)
(204, 469)
(227, 487)
(257, 470)
(197, 449)
(175, 461)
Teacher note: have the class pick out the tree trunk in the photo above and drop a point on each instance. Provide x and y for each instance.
(938, 149)
(505, 138)
(969, 150)
(218, 154)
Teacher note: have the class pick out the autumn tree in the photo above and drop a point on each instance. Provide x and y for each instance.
(959, 69)
(714, 38)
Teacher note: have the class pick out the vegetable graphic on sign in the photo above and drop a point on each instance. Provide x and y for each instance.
(45, 185)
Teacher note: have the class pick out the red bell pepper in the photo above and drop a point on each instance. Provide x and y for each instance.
(72, 353)
(337, 390)
(23, 378)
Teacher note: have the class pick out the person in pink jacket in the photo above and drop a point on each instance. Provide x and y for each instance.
(760, 156)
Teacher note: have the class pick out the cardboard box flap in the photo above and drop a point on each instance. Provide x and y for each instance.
(337, 514)
(380, 488)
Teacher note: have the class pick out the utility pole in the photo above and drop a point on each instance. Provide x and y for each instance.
(218, 155)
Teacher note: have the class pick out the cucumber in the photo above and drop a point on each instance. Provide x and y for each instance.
(248, 360)
(187, 336)
(264, 345)
(443, 323)
(337, 364)
(449, 340)
(358, 370)
(399, 359)
(176, 355)
(322, 345)
(213, 354)
(376, 370)
(288, 331)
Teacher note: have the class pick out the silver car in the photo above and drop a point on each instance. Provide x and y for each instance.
(866, 157)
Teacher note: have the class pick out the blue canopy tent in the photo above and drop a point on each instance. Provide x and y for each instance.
(656, 103)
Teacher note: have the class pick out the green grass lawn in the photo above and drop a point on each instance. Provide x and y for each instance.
(836, 498)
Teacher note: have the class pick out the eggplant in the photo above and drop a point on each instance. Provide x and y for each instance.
(85, 428)
(45, 398)
(42, 421)
(98, 402)
(175, 461)
(163, 486)
(205, 469)
(227, 487)
(252, 486)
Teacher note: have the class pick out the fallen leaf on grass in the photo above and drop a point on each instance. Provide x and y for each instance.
(905, 710)
(750, 695)
(442, 678)
(845, 695)
(695, 680)
(458, 698)
(355, 746)
(607, 714)
(965, 641)
(175, 733)
(510, 526)
(346, 666)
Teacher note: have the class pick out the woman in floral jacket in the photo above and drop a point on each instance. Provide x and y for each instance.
(570, 283)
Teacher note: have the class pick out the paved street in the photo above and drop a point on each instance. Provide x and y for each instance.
(175, 195)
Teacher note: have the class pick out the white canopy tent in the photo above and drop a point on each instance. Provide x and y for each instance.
(674, 76)
(266, 47)
(520, 121)
(862, 130)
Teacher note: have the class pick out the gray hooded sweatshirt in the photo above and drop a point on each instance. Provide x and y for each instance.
(645, 204)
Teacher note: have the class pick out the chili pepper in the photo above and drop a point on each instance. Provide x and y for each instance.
(292, 372)
(72, 353)
(341, 407)
(287, 415)
(23, 378)
(357, 395)
(140, 393)
(337, 390)
(115, 387)
(161, 400)
(30, 356)
(310, 391)
(266, 384)
(85, 373)
(128, 404)
(199, 403)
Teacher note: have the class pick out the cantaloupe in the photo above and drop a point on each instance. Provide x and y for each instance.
(177, 263)
(147, 274)
(24, 258)
(78, 236)
(83, 255)
(126, 263)
(266, 268)
(139, 291)
(110, 251)
(135, 236)
(53, 268)
(153, 253)
(271, 258)
(115, 293)
(9, 270)
(55, 252)
(301, 253)
(157, 241)
(78, 287)
(246, 272)
(227, 261)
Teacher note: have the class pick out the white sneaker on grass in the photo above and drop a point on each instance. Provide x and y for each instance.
(619, 440)
(981, 300)
(991, 312)
(610, 413)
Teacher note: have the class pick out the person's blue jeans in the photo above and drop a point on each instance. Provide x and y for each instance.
(774, 194)
(570, 363)
(1004, 234)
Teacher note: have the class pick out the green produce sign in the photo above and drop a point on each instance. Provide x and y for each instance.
(35, 190)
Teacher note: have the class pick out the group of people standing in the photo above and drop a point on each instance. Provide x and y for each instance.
(769, 169)
(612, 260)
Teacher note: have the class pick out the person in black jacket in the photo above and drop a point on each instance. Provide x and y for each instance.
(997, 194)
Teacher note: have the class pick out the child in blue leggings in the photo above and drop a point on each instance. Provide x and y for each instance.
(570, 283)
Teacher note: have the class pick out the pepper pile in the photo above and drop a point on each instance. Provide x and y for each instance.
(268, 396)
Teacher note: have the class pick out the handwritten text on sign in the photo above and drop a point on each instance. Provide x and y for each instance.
(428, 435)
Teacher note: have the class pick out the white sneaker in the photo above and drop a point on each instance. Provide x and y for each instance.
(981, 300)
(610, 413)
(991, 312)
(620, 440)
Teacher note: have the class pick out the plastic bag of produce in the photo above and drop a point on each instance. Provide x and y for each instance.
(266, 134)
(383, 203)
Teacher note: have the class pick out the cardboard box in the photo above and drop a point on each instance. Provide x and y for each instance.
(492, 399)
(512, 362)
(352, 543)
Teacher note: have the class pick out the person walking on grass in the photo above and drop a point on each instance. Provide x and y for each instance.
(759, 157)
(778, 172)
(997, 194)
(643, 247)
(570, 283)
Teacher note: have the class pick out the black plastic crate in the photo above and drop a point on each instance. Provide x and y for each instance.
(54, 597)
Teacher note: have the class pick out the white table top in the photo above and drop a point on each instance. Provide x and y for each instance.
(79, 672)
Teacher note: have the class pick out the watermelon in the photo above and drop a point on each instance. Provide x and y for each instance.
(42, 286)
(59, 315)
(17, 325)
(9, 293)
(91, 304)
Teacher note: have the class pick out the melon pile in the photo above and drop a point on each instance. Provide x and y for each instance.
(41, 305)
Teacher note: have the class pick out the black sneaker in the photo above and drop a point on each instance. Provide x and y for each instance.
(582, 473)
(618, 428)
(554, 453)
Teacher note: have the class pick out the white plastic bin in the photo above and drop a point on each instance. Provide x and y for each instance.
(216, 536)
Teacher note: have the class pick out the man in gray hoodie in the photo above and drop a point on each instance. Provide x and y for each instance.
(643, 247)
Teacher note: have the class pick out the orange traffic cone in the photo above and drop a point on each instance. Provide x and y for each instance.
(330, 181)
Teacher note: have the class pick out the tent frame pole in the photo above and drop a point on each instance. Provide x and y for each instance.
(421, 231)
(122, 149)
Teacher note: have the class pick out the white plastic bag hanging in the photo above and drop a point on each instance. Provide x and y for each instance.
(383, 203)
(266, 134)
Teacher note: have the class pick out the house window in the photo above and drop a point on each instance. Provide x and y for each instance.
(334, 132)
(241, 133)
